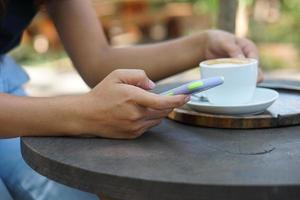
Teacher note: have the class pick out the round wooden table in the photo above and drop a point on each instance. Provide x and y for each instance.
(176, 162)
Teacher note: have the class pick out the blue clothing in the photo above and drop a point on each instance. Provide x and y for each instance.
(18, 14)
(17, 180)
(4, 193)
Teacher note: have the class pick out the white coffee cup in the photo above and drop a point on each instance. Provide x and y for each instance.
(240, 77)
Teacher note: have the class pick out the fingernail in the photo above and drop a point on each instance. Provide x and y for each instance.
(151, 84)
(187, 99)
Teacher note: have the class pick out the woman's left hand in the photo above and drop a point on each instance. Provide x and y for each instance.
(221, 44)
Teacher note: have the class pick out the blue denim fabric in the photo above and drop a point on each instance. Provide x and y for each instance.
(4, 193)
(21, 181)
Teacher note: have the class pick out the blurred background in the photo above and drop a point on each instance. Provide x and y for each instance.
(274, 25)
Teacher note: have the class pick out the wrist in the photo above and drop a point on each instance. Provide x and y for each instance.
(70, 110)
(199, 41)
(196, 44)
(82, 115)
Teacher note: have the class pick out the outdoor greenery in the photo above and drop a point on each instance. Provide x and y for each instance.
(26, 55)
(286, 29)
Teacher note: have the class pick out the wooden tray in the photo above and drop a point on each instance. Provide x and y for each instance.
(284, 112)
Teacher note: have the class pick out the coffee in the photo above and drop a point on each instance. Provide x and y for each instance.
(240, 77)
(227, 61)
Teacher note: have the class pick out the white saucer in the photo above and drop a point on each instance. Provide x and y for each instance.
(262, 99)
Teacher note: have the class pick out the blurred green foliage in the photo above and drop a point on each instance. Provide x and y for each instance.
(207, 7)
(26, 55)
(286, 29)
(269, 63)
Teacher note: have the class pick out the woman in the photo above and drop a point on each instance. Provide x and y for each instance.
(118, 106)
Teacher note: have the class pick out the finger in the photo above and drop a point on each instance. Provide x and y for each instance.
(232, 49)
(153, 123)
(150, 124)
(157, 114)
(145, 126)
(134, 113)
(260, 77)
(249, 48)
(159, 102)
(134, 77)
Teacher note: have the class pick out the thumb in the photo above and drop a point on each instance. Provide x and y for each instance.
(134, 77)
(233, 50)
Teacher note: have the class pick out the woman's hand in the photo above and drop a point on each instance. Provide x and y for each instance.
(120, 107)
(221, 44)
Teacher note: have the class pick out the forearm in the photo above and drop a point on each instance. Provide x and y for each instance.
(85, 42)
(158, 60)
(30, 116)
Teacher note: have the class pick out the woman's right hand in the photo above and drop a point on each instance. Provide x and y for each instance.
(121, 107)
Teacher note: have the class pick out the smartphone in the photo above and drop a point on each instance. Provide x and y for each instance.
(195, 86)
